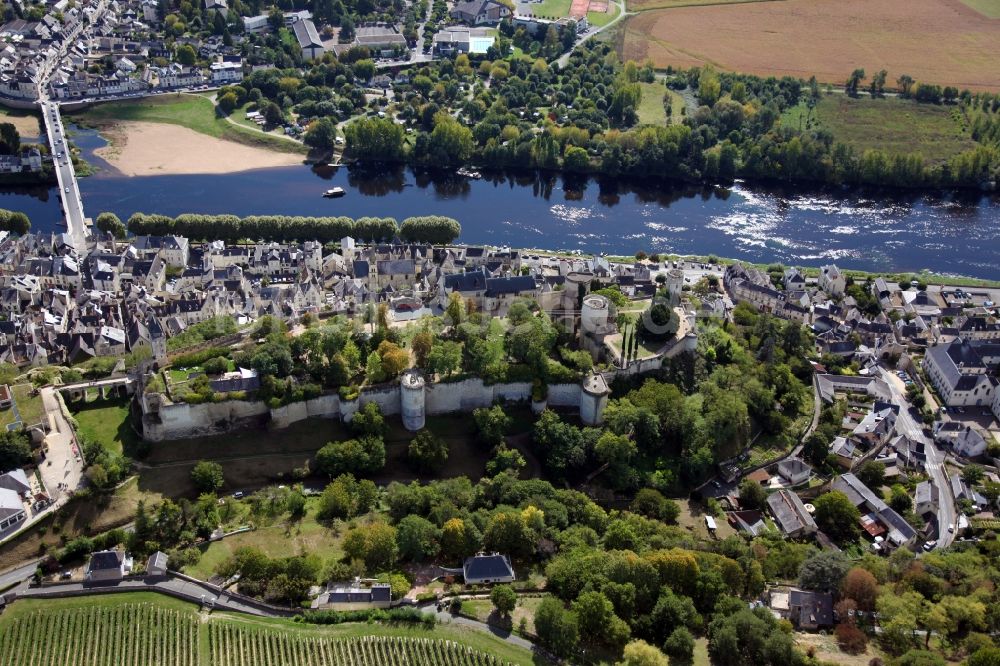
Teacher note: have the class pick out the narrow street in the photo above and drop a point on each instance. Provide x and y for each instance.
(907, 425)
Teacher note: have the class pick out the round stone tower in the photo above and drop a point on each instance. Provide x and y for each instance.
(593, 399)
(594, 315)
(411, 398)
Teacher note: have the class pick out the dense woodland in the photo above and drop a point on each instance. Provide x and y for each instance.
(518, 112)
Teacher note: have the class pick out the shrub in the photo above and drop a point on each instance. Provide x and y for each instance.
(850, 639)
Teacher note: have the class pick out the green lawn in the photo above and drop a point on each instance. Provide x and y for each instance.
(31, 407)
(651, 110)
(551, 8)
(195, 112)
(601, 19)
(279, 539)
(894, 125)
(482, 609)
(108, 423)
(988, 8)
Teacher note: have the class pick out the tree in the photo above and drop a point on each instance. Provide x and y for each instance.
(641, 653)
(824, 571)
(507, 532)
(815, 449)
(492, 424)
(576, 159)
(853, 81)
(456, 539)
(186, 55)
(368, 421)
(421, 346)
(752, 495)
(556, 627)
(920, 658)
(445, 358)
(427, 452)
(228, 102)
(872, 474)
(973, 473)
(985, 656)
(837, 516)
(374, 544)
(850, 639)
(433, 229)
(207, 476)
(10, 139)
(417, 538)
(347, 32)
(709, 87)
(450, 141)
(273, 114)
(15, 222)
(353, 456)
(110, 223)
(860, 586)
(680, 645)
(504, 599)
(900, 500)
(597, 620)
(346, 497)
(652, 503)
(378, 139)
(322, 134)
(505, 460)
(659, 322)
(15, 449)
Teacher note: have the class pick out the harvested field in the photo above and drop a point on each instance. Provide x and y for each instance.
(643, 5)
(988, 8)
(938, 41)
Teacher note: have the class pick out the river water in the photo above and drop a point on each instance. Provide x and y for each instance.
(945, 233)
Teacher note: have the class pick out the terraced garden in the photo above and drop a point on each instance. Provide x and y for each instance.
(145, 629)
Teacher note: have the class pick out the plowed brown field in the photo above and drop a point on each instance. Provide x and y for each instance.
(938, 41)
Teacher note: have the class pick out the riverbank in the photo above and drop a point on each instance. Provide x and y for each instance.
(194, 112)
(156, 148)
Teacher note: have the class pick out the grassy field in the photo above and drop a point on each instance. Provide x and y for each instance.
(30, 406)
(651, 110)
(936, 42)
(482, 610)
(893, 125)
(148, 628)
(192, 111)
(988, 8)
(281, 538)
(106, 422)
(600, 19)
(551, 8)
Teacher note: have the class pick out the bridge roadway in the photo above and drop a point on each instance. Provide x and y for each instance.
(69, 189)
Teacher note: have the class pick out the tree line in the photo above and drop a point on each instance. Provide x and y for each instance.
(433, 229)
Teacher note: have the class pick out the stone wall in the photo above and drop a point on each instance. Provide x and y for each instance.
(181, 420)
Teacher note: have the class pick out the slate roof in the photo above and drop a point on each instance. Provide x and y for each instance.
(509, 285)
(471, 281)
(106, 560)
(480, 567)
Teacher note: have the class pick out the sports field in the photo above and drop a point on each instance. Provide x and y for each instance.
(936, 41)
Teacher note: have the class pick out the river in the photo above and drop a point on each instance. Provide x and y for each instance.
(945, 233)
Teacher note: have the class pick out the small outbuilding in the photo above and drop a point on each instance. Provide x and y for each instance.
(156, 566)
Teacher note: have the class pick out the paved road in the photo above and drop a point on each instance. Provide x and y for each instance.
(69, 190)
(564, 58)
(907, 425)
(446, 617)
(18, 575)
(189, 590)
